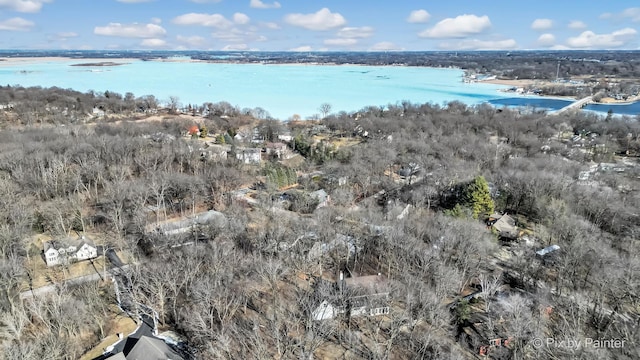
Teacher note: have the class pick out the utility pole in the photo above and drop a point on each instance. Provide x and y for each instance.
(558, 71)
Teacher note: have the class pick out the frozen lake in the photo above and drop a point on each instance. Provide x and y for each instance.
(282, 90)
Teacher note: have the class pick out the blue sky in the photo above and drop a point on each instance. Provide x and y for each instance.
(308, 25)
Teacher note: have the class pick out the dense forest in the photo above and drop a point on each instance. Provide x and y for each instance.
(412, 188)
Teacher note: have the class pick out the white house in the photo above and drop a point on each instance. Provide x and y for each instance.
(326, 311)
(249, 155)
(279, 150)
(58, 252)
(363, 296)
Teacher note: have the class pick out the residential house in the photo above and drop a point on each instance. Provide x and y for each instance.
(98, 112)
(145, 347)
(504, 225)
(286, 137)
(249, 155)
(59, 252)
(323, 198)
(278, 150)
(215, 152)
(188, 224)
(357, 296)
(342, 242)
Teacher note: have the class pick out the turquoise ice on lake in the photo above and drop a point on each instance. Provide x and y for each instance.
(282, 90)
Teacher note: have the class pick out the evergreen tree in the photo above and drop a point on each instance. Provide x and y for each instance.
(478, 198)
(204, 132)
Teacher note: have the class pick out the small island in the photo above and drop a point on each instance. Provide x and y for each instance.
(103, 63)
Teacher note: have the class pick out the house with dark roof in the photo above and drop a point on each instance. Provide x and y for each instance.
(142, 344)
(145, 348)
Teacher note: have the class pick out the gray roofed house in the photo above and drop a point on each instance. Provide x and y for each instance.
(59, 252)
(340, 241)
(144, 348)
(188, 224)
(118, 356)
(148, 348)
(365, 296)
(505, 225)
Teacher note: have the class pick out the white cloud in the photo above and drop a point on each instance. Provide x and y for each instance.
(606, 15)
(153, 43)
(63, 36)
(356, 32)
(210, 20)
(270, 25)
(235, 47)
(632, 13)
(546, 40)
(577, 25)
(240, 18)
(321, 20)
(238, 36)
(258, 4)
(156, 20)
(16, 24)
(458, 27)
(542, 24)
(591, 40)
(419, 16)
(385, 46)
(192, 41)
(134, 30)
(340, 42)
(475, 44)
(302, 48)
(27, 6)
(68, 34)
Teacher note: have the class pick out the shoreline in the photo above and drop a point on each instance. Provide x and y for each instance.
(531, 82)
(16, 61)
(13, 61)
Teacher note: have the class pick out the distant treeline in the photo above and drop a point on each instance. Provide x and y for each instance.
(508, 64)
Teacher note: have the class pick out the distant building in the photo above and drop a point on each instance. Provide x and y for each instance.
(357, 296)
(249, 155)
(323, 198)
(342, 242)
(278, 150)
(188, 224)
(60, 252)
(215, 152)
